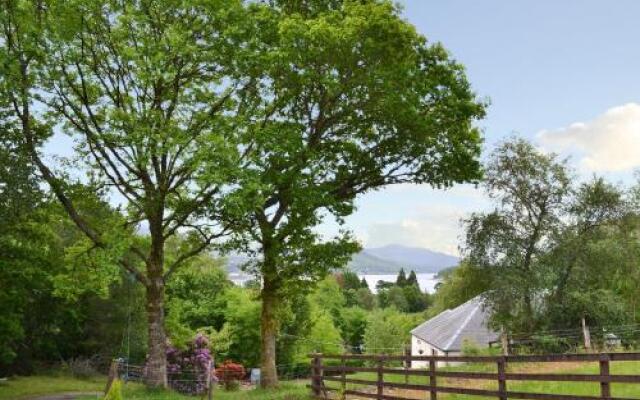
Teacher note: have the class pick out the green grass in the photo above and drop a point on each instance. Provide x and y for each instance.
(286, 391)
(25, 387)
(33, 386)
(19, 388)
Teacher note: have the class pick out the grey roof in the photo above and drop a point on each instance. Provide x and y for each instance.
(449, 329)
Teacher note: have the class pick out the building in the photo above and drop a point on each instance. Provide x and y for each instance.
(445, 334)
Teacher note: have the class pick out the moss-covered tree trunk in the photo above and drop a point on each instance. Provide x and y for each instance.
(156, 374)
(268, 329)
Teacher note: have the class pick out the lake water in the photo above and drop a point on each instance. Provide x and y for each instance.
(427, 282)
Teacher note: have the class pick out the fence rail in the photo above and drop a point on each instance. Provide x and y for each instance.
(340, 373)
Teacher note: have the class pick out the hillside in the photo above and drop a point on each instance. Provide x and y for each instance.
(384, 260)
(424, 259)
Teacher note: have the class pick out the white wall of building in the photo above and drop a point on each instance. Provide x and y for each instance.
(420, 347)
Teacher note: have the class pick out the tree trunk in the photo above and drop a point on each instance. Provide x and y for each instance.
(268, 329)
(156, 375)
(586, 334)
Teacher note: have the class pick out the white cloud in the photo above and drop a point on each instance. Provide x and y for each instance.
(436, 228)
(610, 142)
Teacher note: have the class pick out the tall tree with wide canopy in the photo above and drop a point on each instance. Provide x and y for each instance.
(530, 190)
(145, 90)
(350, 99)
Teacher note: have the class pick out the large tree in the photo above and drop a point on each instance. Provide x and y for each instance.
(529, 189)
(350, 99)
(145, 92)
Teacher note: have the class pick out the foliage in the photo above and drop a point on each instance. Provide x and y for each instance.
(551, 253)
(363, 298)
(188, 370)
(196, 299)
(405, 294)
(242, 318)
(324, 337)
(470, 348)
(141, 91)
(387, 331)
(354, 324)
(350, 99)
(229, 373)
(530, 190)
(458, 286)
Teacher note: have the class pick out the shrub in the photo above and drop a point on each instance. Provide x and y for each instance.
(80, 367)
(187, 370)
(471, 349)
(229, 373)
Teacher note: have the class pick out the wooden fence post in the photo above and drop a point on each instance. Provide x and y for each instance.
(502, 379)
(432, 378)
(343, 396)
(316, 380)
(605, 386)
(113, 375)
(209, 384)
(380, 382)
(407, 362)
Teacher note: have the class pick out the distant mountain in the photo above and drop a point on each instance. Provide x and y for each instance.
(424, 259)
(365, 263)
(383, 260)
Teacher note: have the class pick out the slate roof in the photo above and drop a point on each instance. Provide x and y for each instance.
(448, 330)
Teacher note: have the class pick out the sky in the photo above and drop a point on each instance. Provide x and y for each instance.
(563, 74)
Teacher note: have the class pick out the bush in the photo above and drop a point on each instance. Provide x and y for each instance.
(229, 373)
(471, 349)
(115, 391)
(187, 370)
(80, 367)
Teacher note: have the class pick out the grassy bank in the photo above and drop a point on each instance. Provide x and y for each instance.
(286, 391)
(34, 386)
(27, 387)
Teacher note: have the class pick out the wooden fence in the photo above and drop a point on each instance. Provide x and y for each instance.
(322, 373)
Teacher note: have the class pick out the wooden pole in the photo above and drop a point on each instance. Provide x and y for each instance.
(502, 379)
(343, 396)
(432, 379)
(209, 379)
(380, 383)
(316, 375)
(113, 375)
(407, 362)
(605, 386)
(586, 333)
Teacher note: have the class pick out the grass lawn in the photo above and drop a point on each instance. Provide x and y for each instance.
(25, 387)
(286, 391)
(34, 386)
(569, 388)
(19, 388)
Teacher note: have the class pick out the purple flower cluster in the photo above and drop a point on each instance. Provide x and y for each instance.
(189, 370)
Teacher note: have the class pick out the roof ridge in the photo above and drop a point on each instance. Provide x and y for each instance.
(461, 327)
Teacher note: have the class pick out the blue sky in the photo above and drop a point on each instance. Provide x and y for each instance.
(570, 68)
(564, 74)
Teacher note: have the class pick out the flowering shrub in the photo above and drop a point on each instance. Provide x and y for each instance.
(187, 370)
(229, 373)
